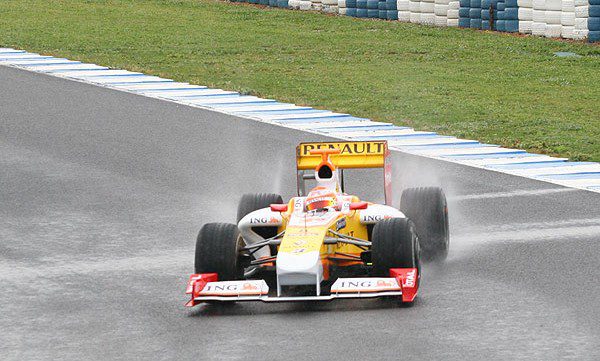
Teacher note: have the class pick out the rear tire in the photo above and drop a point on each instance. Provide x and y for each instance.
(217, 251)
(252, 202)
(428, 209)
(394, 245)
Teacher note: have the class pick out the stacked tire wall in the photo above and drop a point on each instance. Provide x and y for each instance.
(361, 8)
(581, 30)
(349, 5)
(392, 9)
(329, 6)
(525, 15)
(569, 19)
(428, 12)
(594, 20)
(510, 16)
(559, 18)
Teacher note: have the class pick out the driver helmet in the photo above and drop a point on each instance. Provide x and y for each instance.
(320, 198)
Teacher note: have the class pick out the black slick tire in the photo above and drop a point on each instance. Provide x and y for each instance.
(394, 245)
(428, 209)
(217, 251)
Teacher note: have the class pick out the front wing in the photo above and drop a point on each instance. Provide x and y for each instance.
(402, 283)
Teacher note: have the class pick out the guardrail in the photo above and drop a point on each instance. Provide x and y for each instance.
(569, 19)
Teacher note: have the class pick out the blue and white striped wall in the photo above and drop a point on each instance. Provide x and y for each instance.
(569, 19)
(581, 175)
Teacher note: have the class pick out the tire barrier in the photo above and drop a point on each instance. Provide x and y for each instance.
(510, 16)
(475, 14)
(316, 5)
(553, 18)
(581, 30)
(382, 9)
(525, 14)
(330, 6)
(428, 12)
(403, 7)
(453, 9)
(489, 15)
(440, 10)
(559, 18)
(594, 20)
(569, 19)
(342, 9)
(392, 9)
(351, 7)
(538, 27)
(464, 21)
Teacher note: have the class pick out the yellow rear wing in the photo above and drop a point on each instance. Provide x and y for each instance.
(353, 155)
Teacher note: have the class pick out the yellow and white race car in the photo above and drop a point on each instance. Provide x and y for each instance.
(324, 244)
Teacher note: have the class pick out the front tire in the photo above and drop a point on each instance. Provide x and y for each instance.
(428, 209)
(394, 245)
(217, 251)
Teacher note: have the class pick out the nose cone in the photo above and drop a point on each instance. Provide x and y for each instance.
(299, 268)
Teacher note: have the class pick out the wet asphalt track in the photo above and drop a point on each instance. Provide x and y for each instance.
(102, 193)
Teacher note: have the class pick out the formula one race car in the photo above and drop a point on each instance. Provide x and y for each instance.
(325, 244)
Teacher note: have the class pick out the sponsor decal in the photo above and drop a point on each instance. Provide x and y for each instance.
(298, 204)
(221, 287)
(340, 224)
(365, 285)
(374, 217)
(410, 279)
(263, 220)
(234, 288)
(382, 283)
(249, 287)
(346, 148)
(355, 284)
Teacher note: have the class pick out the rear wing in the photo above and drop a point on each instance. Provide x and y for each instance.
(353, 155)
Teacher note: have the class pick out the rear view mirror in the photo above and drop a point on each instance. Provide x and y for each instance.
(358, 205)
(279, 207)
